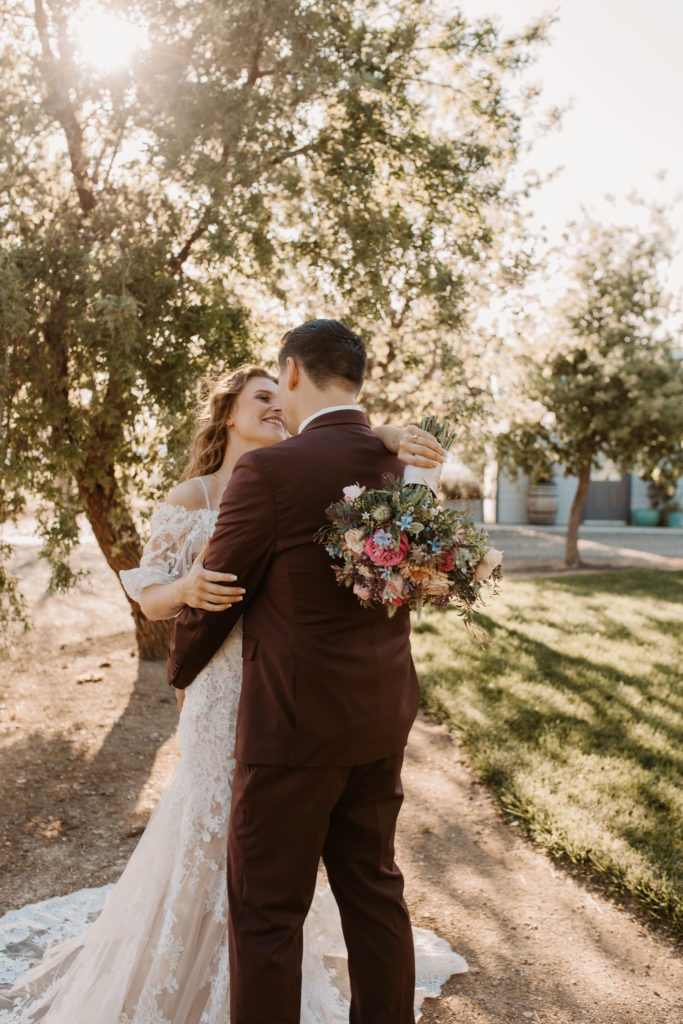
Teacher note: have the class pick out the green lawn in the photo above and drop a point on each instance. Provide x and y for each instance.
(574, 717)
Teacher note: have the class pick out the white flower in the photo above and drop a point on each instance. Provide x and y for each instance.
(352, 492)
(355, 541)
(489, 562)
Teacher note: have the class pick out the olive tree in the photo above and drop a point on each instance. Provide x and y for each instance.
(611, 386)
(245, 144)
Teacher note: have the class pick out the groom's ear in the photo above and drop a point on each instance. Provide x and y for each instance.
(292, 374)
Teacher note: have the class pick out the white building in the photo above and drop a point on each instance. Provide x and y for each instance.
(611, 498)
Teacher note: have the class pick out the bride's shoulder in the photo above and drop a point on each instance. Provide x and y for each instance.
(189, 494)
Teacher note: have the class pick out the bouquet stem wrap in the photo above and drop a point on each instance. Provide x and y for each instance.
(426, 477)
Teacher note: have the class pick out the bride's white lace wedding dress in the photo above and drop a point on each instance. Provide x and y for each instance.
(158, 951)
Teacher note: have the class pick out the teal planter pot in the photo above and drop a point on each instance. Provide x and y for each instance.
(645, 516)
(674, 519)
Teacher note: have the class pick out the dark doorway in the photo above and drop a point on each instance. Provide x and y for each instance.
(608, 499)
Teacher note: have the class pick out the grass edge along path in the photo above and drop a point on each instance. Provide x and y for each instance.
(574, 718)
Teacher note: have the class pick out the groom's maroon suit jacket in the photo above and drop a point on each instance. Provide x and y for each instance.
(326, 681)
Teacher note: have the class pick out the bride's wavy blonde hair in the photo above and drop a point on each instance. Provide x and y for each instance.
(216, 399)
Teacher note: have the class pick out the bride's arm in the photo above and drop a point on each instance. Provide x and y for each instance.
(199, 589)
(163, 585)
(414, 446)
(162, 600)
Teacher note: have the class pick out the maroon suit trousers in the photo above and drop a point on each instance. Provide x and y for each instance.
(283, 820)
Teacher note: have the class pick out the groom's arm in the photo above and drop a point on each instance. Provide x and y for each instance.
(242, 543)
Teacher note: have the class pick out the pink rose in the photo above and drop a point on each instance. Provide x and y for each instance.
(362, 592)
(447, 561)
(386, 553)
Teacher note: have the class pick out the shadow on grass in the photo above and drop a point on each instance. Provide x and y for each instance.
(533, 717)
(596, 684)
(647, 583)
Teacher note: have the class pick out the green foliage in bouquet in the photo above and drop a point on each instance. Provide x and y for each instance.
(443, 432)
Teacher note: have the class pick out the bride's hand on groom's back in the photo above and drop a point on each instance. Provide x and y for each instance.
(417, 447)
(210, 590)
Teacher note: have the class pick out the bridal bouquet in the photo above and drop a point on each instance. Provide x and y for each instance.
(399, 546)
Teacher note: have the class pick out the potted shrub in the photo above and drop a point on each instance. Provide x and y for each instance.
(661, 492)
(672, 514)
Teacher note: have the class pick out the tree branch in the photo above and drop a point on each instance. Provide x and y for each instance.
(55, 378)
(254, 73)
(59, 103)
(397, 319)
(309, 147)
(269, 72)
(115, 146)
(176, 262)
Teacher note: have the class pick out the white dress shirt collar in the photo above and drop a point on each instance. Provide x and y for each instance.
(323, 412)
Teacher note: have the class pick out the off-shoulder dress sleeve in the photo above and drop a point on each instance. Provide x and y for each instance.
(176, 537)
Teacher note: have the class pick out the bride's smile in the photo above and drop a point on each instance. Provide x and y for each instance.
(256, 417)
(278, 420)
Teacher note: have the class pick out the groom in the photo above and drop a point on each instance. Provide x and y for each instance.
(328, 698)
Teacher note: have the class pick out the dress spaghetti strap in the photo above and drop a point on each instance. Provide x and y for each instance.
(206, 493)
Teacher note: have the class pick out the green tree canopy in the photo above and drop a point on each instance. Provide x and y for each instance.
(362, 148)
(611, 386)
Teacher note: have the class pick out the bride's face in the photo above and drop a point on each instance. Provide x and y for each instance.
(256, 418)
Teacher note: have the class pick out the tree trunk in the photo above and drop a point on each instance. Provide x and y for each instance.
(153, 637)
(115, 531)
(571, 553)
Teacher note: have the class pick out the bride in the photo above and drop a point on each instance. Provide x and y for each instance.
(158, 952)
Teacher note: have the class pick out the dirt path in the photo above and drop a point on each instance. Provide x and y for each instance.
(87, 742)
(541, 946)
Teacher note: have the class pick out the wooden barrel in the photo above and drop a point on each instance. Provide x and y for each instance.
(541, 504)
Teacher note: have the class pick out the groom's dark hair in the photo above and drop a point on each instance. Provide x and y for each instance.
(328, 351)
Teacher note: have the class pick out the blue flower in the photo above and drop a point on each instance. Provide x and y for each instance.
(434, 545)
(384, 539)
(404, 522)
